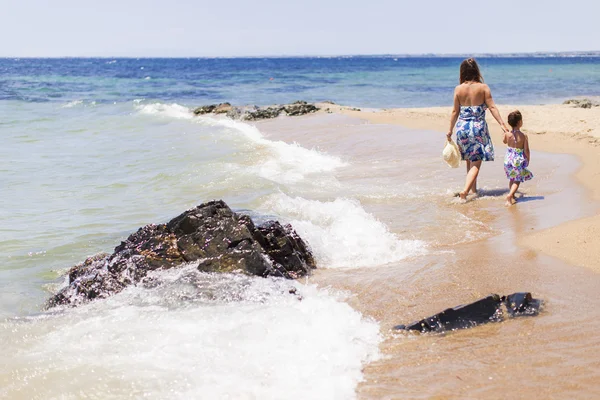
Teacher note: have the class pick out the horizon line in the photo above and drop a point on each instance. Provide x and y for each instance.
(580, 53)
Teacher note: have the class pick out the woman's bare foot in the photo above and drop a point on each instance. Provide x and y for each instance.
(463, 196)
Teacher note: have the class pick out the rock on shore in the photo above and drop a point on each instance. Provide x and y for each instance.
(211, 234)
(582, 103)
(253, 113)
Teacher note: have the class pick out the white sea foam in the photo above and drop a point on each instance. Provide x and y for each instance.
(341, 233)
(194, 335)
(284, 162)
(165, 110)
(279, 161)
(72, 104)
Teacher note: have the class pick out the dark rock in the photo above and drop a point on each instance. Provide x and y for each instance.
(488, 309)
(253, 113)
(300, 108)
(262, 113)
(234, 113)
(220, 108)
(205, 109)
(285, 247)
(522, 303)
(211, 234)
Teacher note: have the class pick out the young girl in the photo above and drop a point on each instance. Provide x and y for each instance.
(517, 156)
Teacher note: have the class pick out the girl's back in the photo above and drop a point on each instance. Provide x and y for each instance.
(515, 139)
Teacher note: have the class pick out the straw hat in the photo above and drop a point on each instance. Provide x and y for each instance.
(451, 154)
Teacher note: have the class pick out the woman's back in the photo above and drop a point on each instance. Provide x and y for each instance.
(471, 93)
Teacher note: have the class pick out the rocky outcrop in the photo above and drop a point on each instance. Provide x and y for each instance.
(220, 108)
(582, 103)
(489, 309)
(211, 234)
(253, 113)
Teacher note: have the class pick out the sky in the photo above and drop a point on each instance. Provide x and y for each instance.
(217, 28)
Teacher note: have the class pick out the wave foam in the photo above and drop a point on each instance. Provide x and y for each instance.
(72, 104)
(187, 338)
(341, 233)
(164, 110)
(285, 162)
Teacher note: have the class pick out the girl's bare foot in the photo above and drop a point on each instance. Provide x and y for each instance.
(508, 200)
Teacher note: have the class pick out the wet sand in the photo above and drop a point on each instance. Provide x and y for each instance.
(551, 128)
(554, 355)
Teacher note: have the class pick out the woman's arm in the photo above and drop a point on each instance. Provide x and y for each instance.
(493, 109)
(454, 116)
(526, 149)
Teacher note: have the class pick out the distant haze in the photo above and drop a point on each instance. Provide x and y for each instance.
(200, 28)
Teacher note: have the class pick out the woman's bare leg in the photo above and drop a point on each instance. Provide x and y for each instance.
(471, 178)
(474, 186)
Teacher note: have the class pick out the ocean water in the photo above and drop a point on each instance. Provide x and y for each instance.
(385, 81)
(95, 148)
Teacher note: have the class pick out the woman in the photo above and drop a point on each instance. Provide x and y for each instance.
(471, 98)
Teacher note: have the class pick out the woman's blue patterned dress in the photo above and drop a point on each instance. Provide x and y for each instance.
(472, 135)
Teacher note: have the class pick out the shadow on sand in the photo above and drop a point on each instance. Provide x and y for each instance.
(502, 192)
(523, 198)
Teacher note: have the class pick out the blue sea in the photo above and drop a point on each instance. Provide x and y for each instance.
(94, 148)
(358, 81)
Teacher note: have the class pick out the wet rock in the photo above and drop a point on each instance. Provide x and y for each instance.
(262, 113)
(211, 234)
(220, 108)
(488, 309)
(300, 108)
(254, 113)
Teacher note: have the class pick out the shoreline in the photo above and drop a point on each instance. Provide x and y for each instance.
(456, 271)
(551, 128)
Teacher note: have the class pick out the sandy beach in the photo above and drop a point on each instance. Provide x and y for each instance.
(556, 128)
(481, 248)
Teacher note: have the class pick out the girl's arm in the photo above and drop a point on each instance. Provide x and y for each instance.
(505, 139)
(526, 149)
(493, 109)
(454, 116)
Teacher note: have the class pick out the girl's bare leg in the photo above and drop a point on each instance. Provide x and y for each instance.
(471, 178)
(510, 197)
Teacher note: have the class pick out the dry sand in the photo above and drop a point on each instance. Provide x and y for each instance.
(551, 128)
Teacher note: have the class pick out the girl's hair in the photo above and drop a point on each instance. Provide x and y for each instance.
(469, 71)
(514, 118)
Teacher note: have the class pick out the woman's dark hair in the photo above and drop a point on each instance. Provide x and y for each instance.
(469, 71)
(514, 118)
